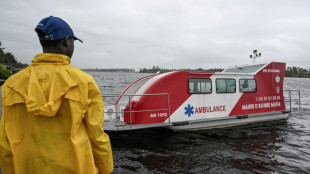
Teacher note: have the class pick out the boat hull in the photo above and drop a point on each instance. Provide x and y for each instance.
(228, 121)
(199, 124)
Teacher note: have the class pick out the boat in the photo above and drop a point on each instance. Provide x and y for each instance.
(191, 100)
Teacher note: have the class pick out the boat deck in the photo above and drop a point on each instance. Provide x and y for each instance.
(121, 126)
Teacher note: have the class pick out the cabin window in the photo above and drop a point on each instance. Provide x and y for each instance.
(247, 85)
(199, 86)
(225, 85)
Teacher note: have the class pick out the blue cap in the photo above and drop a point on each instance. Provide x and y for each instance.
(55, 29)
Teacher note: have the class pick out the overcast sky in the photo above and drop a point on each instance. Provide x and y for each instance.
(165, 33)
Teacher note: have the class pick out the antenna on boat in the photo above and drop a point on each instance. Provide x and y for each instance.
(255, 56)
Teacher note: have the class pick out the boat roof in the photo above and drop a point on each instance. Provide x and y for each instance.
(246, 69)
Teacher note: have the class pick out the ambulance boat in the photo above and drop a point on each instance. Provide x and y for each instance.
(190, 100)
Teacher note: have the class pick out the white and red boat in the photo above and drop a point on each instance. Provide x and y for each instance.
(201, 100)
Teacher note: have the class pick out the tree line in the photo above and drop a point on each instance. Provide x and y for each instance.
(290, 71)
(9, 59)
(297, 72)
(156, 69)
(110, 70)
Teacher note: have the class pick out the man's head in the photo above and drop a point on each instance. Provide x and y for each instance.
(56, 36)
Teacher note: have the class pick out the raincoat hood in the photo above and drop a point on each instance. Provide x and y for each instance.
(42, 92)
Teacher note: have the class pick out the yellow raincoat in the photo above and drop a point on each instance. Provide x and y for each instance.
(52, 121)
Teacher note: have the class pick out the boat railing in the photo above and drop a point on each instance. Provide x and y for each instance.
(290, 92)
(130, 104)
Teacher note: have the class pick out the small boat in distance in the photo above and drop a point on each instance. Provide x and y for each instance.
(190, 100)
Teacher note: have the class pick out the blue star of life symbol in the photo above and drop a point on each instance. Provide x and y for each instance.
(189, 110)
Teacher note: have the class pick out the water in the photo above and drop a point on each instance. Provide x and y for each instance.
(269, 147)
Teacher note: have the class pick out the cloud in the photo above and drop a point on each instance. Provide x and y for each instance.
(169, 34)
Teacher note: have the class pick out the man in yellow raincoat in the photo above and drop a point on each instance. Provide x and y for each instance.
(52, 113)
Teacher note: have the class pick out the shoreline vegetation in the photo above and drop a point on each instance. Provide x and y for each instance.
(110, 70)
(9, 65)
(7, 70)
(155, 69)
(290, 71)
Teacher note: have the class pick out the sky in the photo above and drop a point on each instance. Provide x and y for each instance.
(170, 34)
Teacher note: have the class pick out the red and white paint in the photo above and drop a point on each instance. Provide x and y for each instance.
(267, 98)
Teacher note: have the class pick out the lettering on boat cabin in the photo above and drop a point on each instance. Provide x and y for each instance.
(264, 102)
(271, 70)
(154, 115)
(261, 105)
(207, 109)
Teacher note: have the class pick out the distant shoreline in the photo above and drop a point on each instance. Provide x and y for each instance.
(110, 70)
(296, 72)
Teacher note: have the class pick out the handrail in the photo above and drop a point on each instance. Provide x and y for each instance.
(290, 97)
(114, 95)
(130, 104)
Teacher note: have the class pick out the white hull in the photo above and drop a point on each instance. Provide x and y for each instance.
(228, 121)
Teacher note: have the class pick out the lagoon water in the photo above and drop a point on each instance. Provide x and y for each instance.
(270, 147)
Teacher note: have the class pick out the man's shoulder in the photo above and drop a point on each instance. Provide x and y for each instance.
(23, 74)
(78, 74)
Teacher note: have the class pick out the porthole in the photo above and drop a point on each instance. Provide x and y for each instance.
(278, 78)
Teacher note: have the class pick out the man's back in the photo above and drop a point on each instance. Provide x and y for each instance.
(52, 120)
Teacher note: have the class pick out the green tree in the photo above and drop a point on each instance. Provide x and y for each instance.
(4, 73)
(8, 58)
(296, 72)
(1, 50)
